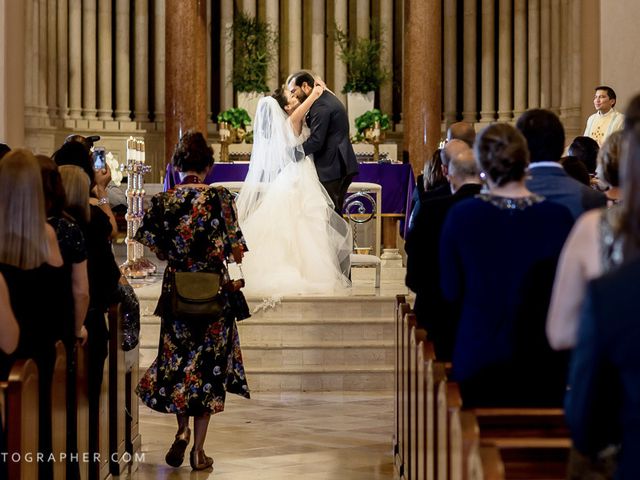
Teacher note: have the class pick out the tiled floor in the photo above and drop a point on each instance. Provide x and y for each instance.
(283, 436)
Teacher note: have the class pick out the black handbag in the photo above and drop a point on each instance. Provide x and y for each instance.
(196, 296)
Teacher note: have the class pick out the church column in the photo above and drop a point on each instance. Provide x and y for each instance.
(386, 58)
(159, 60)
(545, 54)
(123, 111)
(450, 62)
(317, 39)
(520, 58)
(29, 71)
(505, 62)
(63, 58)
(249, 7)
(75, 58)
(141, 66)
(42, 58)
(576, 63)
(185, 74)
(339, 68)
(556, 61)
(89, 44)
(422, 82)
(488, 108)
(469, 97)
(534, 54)
(565, 59)
(52, 60)
(272, 16)
(295, 35)
(105, 108)
(16, 64)
(226, 55)
(363, 13)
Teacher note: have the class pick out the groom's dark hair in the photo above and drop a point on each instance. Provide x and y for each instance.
(301, 77)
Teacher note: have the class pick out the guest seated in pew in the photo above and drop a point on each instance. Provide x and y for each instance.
(576, 169)
(4, 149)
(593, 247)
(433, 313)
(72, 248)
(545, 138)
(31, 264)
(431, 178)
(498, 256)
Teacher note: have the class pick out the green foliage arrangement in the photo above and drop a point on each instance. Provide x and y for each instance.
(254, 42)
(236, 117)
(368, 120)
(362, 58)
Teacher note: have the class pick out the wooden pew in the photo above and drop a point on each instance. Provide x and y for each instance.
(124, 436)
(21, 419)
(397, 383)
(425, 425)
(408, 372)
(417, 338)
(82, 410)
(440, 421)
(59, 411)
(533, 442)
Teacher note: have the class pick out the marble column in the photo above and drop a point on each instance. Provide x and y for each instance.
(339, 68)
(42, 58)
(159, 60)
(363, 13)
(545, 54)
(52, 60)
(565, 59)
(141, 68)
(317, 39)
(89, 63)
(123, 108)
(556, 60)
(488, 101)
(30, 43)
(520, 57)
(450, 74)
(505, 62)
(386, 58)
(422, 82)
(185, 74)
(63, 58)
(226, 55)
(469, 97)
(534, 54)
(13, 87)
(208, 58)
(295, 35)
(105, 64)
(249, 7)
(75, 58)
(272, 16)
(576, 62)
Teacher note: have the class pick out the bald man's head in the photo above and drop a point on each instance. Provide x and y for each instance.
(463, 169)
(451, 149)
(462, 131)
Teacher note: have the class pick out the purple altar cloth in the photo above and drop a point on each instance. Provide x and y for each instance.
(397, 181)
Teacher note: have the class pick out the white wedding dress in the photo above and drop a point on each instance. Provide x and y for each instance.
(297, 243)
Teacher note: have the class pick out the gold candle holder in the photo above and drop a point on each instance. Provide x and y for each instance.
(226, 137)
(375, 136)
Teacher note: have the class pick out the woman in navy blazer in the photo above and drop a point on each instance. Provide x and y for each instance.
(498, 256)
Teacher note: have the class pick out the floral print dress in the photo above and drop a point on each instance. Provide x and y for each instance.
(195, 229)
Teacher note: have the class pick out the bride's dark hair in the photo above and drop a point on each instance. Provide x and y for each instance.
(280, 97)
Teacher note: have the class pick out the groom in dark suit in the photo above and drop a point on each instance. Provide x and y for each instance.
(328, 142)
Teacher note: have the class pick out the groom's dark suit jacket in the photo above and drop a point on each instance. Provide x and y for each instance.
(329, 140)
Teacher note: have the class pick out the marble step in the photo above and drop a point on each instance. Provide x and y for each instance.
(320, 378)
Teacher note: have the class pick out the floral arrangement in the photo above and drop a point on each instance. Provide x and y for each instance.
(235, 117)
(368, 120)
(362, 58)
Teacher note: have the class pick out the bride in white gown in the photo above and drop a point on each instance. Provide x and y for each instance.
(297, 243)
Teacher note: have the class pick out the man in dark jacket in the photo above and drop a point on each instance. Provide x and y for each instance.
(328, 141)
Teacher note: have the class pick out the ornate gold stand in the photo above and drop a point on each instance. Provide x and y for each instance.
(375, 137)
(136, 265)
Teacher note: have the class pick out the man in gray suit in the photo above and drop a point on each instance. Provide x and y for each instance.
(545, 136)
(328, 141)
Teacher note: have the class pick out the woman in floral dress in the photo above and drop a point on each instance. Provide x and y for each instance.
(194, 228)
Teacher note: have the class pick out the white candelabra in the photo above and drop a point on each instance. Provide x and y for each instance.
(136, 265)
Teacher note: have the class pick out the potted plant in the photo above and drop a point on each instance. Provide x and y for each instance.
(364, 72)
(232, 125)
(254, 41)
(370, 128)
